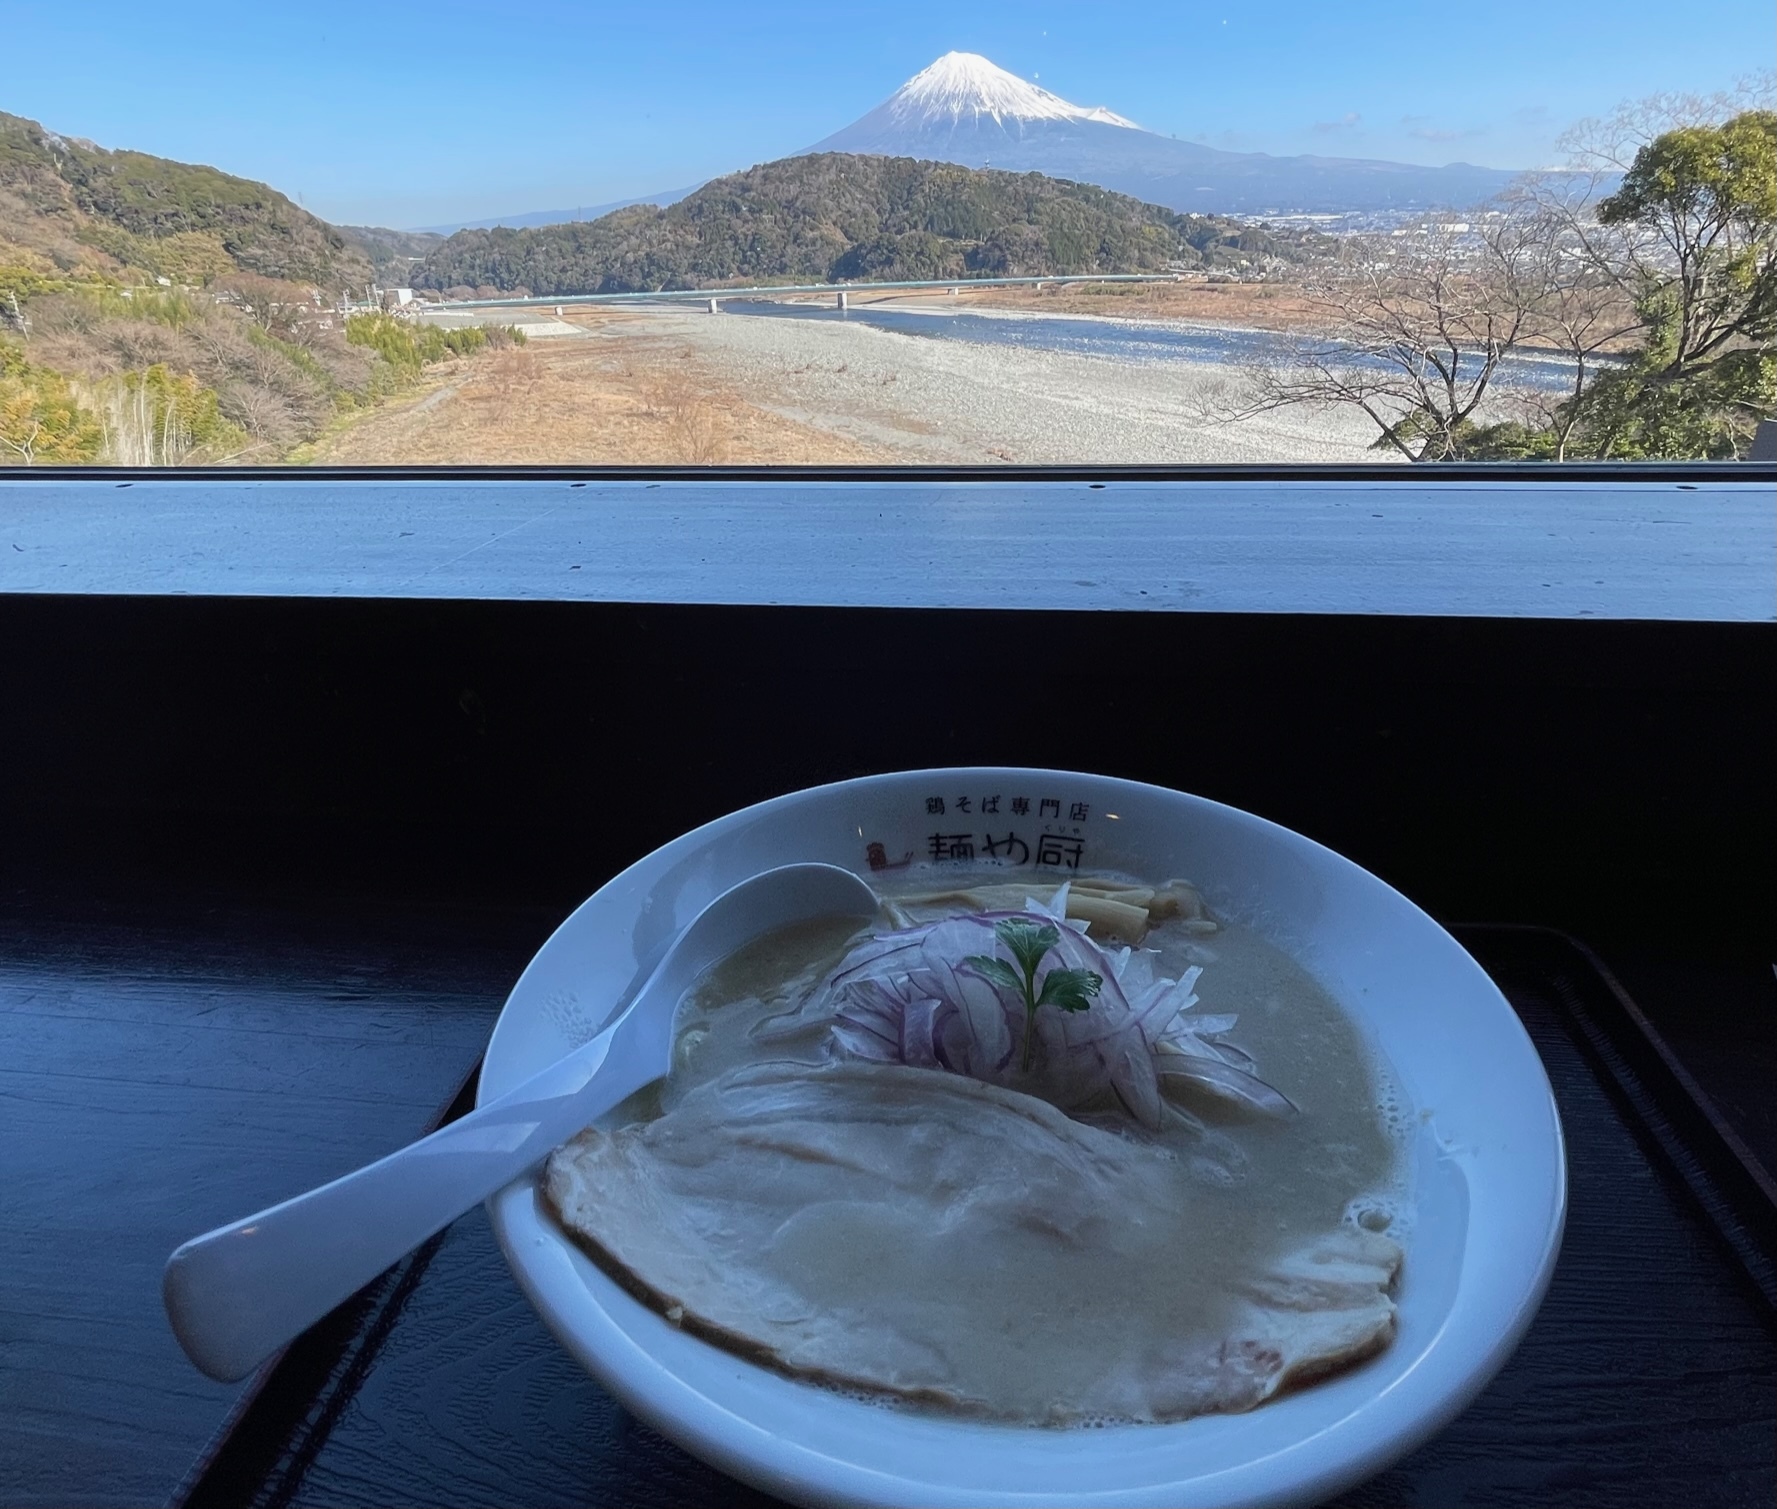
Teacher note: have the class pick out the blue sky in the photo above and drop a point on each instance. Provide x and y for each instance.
(415, 115)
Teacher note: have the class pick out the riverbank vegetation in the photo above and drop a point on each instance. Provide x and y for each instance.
(152, 377)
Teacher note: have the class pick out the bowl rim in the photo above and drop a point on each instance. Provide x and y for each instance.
(553, 1273)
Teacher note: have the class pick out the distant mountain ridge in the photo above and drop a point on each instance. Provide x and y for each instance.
(965, 109)
(558, 217)
(838, 216)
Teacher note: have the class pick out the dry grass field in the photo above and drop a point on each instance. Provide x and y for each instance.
(678, 387)
(619, 397)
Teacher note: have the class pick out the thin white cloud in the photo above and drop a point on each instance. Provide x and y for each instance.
(1346, 122)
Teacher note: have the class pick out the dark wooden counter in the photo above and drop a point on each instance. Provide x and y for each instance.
(270, 862)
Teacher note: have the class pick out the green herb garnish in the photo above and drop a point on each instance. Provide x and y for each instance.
(1064, 989)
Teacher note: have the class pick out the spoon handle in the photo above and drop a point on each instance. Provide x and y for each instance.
(238, 1293)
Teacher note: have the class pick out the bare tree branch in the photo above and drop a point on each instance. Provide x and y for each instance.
(1416, 325)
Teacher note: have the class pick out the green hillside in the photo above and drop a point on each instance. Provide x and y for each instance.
(161, 313)
(835, 216)
(68, 207)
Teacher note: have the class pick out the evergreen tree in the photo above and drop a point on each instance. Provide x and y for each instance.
(1702, 203)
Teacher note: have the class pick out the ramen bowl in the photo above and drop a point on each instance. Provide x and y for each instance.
(1485, 1172)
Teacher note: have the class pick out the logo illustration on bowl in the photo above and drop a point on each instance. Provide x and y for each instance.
(998, 829)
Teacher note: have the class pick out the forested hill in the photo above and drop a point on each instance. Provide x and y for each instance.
(392, 254)
(836, 216)
(70, 207)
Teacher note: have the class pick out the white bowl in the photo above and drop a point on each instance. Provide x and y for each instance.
(1489, 1180)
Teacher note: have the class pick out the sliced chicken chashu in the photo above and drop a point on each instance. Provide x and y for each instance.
(915, 1233)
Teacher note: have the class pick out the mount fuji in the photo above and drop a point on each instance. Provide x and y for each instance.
(967, 110)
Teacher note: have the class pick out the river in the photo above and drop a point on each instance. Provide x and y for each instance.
(1138, 342)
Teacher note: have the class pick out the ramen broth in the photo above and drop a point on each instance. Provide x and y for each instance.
(1133, 1274)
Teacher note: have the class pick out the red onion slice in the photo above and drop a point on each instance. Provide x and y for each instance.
(911, 997)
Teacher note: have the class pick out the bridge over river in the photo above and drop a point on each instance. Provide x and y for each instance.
(842, 293)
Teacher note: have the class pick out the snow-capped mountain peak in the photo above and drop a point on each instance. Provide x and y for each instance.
(964, 87)
(965, 110)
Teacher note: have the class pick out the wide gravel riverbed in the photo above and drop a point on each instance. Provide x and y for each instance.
(960, 401)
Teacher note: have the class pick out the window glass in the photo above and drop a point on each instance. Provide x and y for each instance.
(1008, 233)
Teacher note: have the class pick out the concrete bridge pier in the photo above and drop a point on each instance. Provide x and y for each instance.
(715, 308)
(841, 302)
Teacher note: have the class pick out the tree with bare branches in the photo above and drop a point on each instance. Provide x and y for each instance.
(1414, 327)
(1582, 316)
(275, 306)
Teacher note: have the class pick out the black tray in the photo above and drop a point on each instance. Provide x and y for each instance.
(1649, 1377)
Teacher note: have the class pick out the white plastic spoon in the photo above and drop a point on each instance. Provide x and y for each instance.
(237, 1294)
